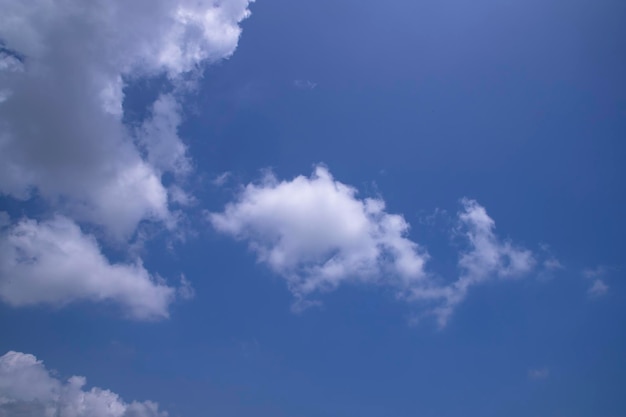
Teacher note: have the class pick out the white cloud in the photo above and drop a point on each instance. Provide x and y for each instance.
(28, 389)
(62, 75)
(64, 65)
(55, 263)
(317, 234)
(487, 257)
(598, 288)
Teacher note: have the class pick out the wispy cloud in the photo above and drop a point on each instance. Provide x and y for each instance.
(304, 84)
(78, 150)
(598, 288)
(539, 373)
(186, 291)
(597, 276)
(552, 264)
(487, 257)
(598, 271)
(221, 179)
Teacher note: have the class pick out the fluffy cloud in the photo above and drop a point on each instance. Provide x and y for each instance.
(317, 234)
(64, 65)
(53, 262)
(63, 68)
(27, 389)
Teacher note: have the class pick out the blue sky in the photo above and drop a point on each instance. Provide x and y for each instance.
(316, 209)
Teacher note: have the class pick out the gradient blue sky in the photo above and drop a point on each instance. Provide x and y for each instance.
(518, 105)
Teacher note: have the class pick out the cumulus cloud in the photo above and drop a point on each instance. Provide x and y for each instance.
(317, 234)
(54, 263)
(5, 219)
(63, 69)
(489, 255)
(28, 389)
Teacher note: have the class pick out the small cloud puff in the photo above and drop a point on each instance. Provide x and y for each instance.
(552, 264)
(304, 84)
(185, 291)
(597, 289)
(541, 373)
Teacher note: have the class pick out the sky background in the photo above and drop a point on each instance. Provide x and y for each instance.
(520, 106)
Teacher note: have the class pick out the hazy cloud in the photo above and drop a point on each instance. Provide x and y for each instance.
(221, 179)
(552, 264)
(541, 373)
(597, 272)
(598, 288)
(64, 65)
